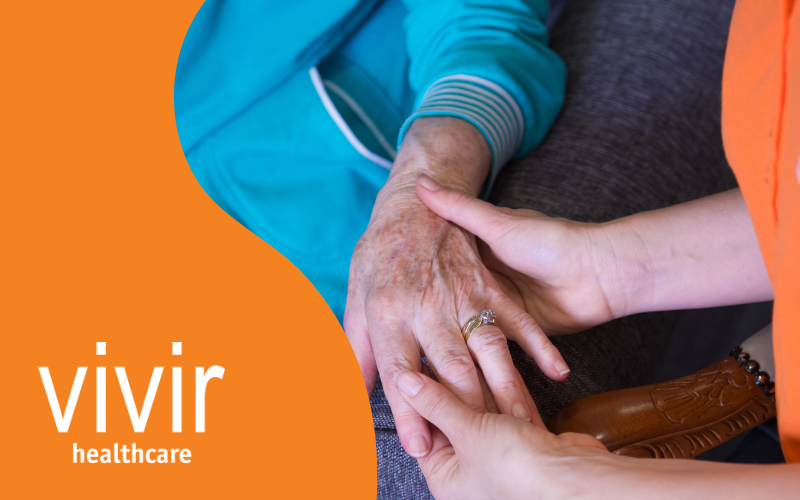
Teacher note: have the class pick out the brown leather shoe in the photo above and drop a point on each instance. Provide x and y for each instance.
(677, 419)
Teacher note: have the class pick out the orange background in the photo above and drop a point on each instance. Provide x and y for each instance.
(108, 237)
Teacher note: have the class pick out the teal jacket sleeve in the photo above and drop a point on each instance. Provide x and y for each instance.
(488, 62)
(237, 51)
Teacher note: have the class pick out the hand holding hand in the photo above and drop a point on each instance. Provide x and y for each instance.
(415, 279)
(482, 456)
(558, 269)
(478, 456)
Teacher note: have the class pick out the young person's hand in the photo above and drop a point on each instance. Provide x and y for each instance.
(484, 456)
(571, 276)
(479, 456)
(550, 266)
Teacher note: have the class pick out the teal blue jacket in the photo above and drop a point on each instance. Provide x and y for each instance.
(290, 113)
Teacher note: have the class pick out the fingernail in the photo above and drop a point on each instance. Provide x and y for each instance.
(519, 411)
(428, 183)
(418, 446)
(561, 367)
(409, 383)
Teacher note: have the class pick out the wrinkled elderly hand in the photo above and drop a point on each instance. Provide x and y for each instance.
(416, 278)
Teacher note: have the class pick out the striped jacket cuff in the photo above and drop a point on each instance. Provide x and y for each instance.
(484, 104)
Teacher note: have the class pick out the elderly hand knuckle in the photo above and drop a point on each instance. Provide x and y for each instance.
(457, 366)
(381, 319)
(490, 341)
(386, 324)
(392, 361)
(521, 321)
(508, 388)
(388, 372)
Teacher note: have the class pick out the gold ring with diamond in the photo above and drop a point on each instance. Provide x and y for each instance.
(485, 317)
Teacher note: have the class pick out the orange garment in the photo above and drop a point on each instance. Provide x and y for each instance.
(761, 131)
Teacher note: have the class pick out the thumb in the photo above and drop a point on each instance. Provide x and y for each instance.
(482, 219)
(435, 403)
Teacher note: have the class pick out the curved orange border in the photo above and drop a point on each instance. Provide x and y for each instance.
(108, 237)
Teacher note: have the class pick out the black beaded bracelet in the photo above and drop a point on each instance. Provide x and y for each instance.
(752, 366)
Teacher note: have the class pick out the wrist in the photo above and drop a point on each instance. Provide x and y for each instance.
(623, 266)
(449, 150)
(595, 469)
